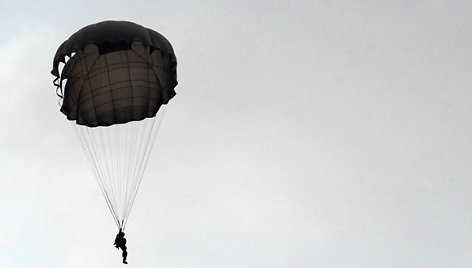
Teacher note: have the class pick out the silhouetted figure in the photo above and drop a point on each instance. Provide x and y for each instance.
(120, 242)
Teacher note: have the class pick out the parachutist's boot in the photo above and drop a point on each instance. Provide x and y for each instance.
(124, 261)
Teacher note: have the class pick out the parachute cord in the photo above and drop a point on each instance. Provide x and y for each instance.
(131, 138)
(103, 182)
(139, 161)
(134, 161)
(119, 171)
(58, 87)
(102, 178)
(139, 136)
(126, 164)
(135, 155)
(152, 138)
(104, 160)
(106, 142)
(119, 175)
(105, 178)
(87, 148)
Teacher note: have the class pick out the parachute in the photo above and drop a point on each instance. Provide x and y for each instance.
(118, 78)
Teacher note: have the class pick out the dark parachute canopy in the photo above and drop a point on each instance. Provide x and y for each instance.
(120, 72)
(118, 75)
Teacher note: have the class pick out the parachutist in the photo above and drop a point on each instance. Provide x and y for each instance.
(120, 242)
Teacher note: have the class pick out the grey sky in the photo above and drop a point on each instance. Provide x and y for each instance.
(303, 134)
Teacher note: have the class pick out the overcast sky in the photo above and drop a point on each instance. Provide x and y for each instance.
(303, 134)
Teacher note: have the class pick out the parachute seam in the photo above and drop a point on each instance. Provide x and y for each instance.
(90, 87)
(111, 90)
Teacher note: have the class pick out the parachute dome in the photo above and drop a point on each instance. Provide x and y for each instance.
(119, 72)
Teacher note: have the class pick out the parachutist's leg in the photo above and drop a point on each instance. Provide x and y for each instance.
(125, 254)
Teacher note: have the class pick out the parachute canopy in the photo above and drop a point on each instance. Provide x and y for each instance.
(119, 72)
(117, 77)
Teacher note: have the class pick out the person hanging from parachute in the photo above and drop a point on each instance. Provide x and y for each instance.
(118, 77)
(120, 243)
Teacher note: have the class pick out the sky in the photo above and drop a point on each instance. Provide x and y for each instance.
(303, 134)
